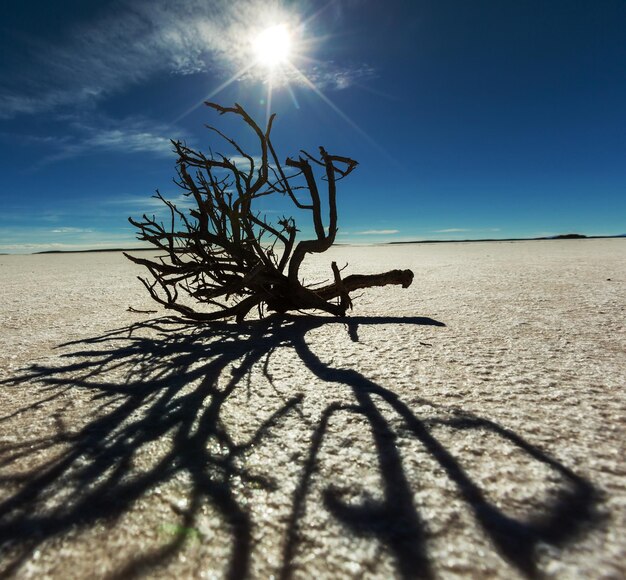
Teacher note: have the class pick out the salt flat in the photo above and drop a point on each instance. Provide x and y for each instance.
(473, 424)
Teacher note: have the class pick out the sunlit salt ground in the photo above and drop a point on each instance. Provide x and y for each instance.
(473, 425)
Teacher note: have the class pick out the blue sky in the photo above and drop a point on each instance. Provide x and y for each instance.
(482, 119)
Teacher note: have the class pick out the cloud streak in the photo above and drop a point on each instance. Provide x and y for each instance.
(100, 58)
(140, 39)
(134, 135)
(70, 230)
(377, 232)
(460, 230)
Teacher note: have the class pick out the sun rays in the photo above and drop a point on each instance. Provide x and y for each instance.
(278, 53)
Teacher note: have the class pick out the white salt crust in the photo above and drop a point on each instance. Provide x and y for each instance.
(390, 446)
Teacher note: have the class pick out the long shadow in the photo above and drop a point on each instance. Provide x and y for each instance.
(175, 380)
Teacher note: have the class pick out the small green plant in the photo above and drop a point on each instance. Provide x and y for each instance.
(176, 530)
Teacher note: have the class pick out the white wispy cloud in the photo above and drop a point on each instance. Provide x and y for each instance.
(70, 230)
(143, 38)
(99, 134)
(377, 232)
(459, 230)
(339, 78)
(242, 162)
(131, 135)
(151, 203)
(100, 58)
(130, 141)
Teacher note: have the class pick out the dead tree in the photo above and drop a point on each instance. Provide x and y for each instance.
(223, 258)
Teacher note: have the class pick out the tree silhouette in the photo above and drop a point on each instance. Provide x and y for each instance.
(224, 258)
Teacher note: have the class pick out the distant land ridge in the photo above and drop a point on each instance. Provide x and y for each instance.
(557, 237)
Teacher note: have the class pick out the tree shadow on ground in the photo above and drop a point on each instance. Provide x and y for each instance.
(167, 380)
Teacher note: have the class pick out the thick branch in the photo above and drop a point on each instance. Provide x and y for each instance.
(354, 282)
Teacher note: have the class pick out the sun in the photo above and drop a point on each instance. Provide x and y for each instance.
(272, 46)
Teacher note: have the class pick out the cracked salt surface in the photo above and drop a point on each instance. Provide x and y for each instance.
(492, 446)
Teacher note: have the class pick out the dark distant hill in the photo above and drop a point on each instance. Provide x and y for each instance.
(559, 237)
(94, 251)
(568, 237)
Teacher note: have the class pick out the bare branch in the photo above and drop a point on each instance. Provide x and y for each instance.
(220, 259)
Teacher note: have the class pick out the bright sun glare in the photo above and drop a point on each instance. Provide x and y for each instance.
(274, 56)
(273, 46)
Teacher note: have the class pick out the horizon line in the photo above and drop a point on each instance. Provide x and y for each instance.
(443, 241)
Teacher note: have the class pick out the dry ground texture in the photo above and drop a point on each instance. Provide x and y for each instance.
(473, 425)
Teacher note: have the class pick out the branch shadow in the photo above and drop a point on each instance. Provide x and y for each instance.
(172, 381)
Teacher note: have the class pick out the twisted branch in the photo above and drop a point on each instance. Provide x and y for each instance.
(222, 259)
